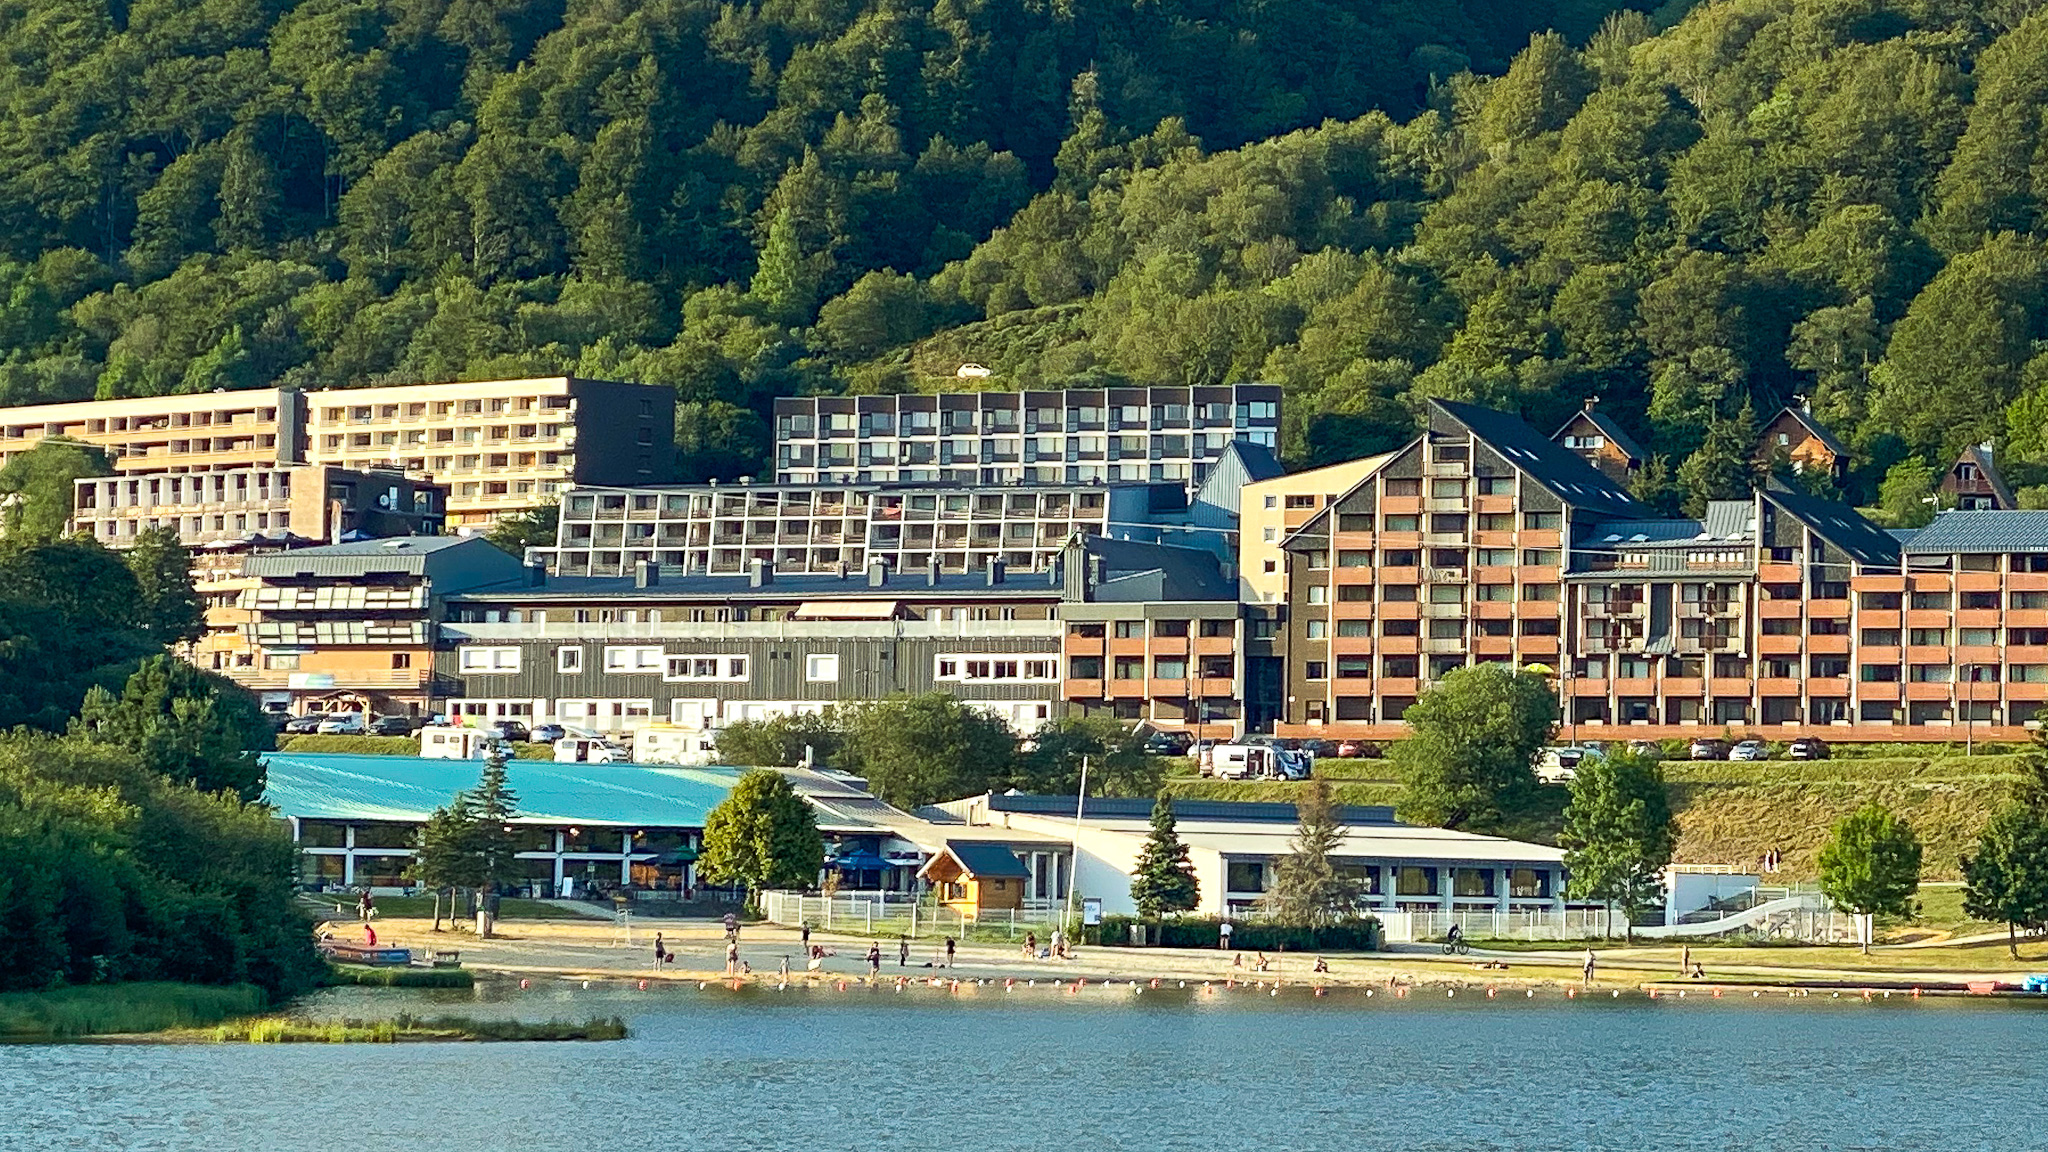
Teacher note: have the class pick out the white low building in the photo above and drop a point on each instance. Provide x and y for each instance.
(1235, 848)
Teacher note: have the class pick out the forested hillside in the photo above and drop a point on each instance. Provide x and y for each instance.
(1836, 199)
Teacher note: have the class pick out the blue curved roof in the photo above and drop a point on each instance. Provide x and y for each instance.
(407, 789)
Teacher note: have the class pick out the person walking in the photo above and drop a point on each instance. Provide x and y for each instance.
(365, 906)
(1223, 936)
(875, 958)
(949, 951)
(903, 950)
(732, 926)
(660, 951)
(806, 936)
(1589, 965)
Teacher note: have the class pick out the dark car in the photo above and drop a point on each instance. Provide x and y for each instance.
(393, 726)
(1807, 748)
(1710, 749)
(1319, 748)
(302, 725)
(509, 730)
(1360, 750)
(546, 733)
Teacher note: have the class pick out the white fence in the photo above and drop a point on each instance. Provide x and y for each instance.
(1481, 924)
(906, 914)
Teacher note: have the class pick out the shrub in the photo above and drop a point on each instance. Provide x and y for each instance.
(1360, 935)
(352, 745)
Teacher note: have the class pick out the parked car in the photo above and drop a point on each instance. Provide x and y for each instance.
(1808, 748)
(546, 733)
(302, 725)
(393, 726)
(1359, 750)
(1710, 749)
(1557, 765)
(1750, 750)
(1646, 748)
(1318, 748)
(508, 730)
(342, 724)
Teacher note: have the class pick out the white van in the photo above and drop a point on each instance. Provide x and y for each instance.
(1255, 761)
(589, 750)
(446, 742)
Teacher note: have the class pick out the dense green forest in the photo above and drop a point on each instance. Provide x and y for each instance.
(1695, 213)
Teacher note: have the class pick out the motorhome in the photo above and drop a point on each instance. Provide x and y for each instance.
(590, 750)
(1255, 761)
(674, 744)
(444, 742)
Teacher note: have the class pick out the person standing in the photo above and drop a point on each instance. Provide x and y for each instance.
(949, 951)
(732, 958)
(732, 926)
(660, 951)
(365, 906)
(1223, 936)
(875, 958)
(807, 937)
(903, 950)
(1589, 964)
(1685, 959)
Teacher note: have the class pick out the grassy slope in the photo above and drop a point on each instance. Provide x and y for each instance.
(1731, 813)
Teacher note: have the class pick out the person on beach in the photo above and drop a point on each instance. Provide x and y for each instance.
(371, 934)
(1031, 945)
(365, 906)
(1589, 965)
(660, 951)
(807, 935)
(903, 951)
(1237, 961)
(782, 970)
(1223, 936)
(1685, 959)
(732, 958)
(732, 926)
(875, 958)
(1322, 965)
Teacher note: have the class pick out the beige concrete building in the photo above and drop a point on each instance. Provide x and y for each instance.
(314, 502)
(501, 446)
(1269, 510)
(216, 430)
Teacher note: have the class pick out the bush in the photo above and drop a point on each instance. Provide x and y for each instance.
(1360, 935)
(352, 745)
(400, 977)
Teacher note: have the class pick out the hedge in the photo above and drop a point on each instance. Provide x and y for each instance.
(1360, 935)
(352, 745)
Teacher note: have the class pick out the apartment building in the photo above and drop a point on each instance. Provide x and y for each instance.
(501, 446)
(169, 434)
(702, 651)
(1776, 615)
(1152, 633)
(1070, 436)
(309, 501)
(353, 627)
(819, 529)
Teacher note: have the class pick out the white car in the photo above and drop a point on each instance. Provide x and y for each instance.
(343, 724)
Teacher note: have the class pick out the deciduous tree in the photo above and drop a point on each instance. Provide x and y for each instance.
(923, 749)
(1469, 761)
(762, 835)
(1617, 834)
(1870, 864)
(2006, 880)
(167, 602)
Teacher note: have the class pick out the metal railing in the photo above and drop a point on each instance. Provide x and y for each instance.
(907, 914)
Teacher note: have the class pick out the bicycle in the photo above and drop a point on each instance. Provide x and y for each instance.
(1458, 946)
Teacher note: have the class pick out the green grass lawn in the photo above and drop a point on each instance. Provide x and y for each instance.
(103, 1009)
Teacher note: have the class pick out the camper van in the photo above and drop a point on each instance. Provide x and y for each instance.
(444, 742)
(1255, 761)
(673, 744)
(590, 750)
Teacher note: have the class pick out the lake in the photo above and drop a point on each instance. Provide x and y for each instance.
(924, 1070)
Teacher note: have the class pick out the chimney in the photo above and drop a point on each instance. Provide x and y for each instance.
(1591, 401)
(1094, 569)
(536, 573)
(878, 573)
(645, 574)
(931, 572)
(760, 573)
(995, 571)
(841, 568)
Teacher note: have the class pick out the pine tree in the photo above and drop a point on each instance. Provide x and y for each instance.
(1164, 880)
(169, 605)
(1308, 891)
(445, 857)
(491, 842)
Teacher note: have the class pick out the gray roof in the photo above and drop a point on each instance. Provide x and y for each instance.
(1564, 472)
(453, 563)
(1607, 427)
(2011, 530)
(1242, 462)
(984, 860)
(1730, 520)
(1135, 571)
(1644, 532)
(1839, 525)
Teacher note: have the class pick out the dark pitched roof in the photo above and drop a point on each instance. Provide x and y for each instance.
(1814, 426)
(1564, 472)
(1976, 454)
(1258, 460)
(984, 860)
(1607, 427)
(2003, 530)
(1139, 808)
(1138, 571)
(1838, 524)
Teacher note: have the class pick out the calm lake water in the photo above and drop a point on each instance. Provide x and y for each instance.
(914, 1072)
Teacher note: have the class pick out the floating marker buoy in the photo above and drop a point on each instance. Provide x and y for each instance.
(1754, 995)
(1571, 993)
(523, 984)
(1489, 993)
(701, 986)
(1183, 983)
(782, 987)
(1450, 992)
(1033, 984)
(1617, 994)
(1368, 993)
(1717, 993)
(1532, 994)
(842, 985)
(1319, 991)
(586, 983)
(1155, 981)
(1276, 991)
(643, 985)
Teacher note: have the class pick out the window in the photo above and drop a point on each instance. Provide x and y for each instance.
(1496, 522)
(1398, 593)
(1318, 629)
(1130, 629)
(488, 659)
(1318, 594)
(1542, 520)
(1016, 669)
(1170, 668)
(1880, 637)
(1272, 501)
(1300, 501)
(1130, 668)
(1539, 591)
(1404, 524)
(401, 660)
(1929, 636)
(636, 658)
(706, 668)
(1933, 600)
(1354, 558)
(1317, 670)
(1169, 628)
(569, 658)
(821, 668)
(1399, 628)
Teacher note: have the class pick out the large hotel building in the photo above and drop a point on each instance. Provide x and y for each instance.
(497, 446)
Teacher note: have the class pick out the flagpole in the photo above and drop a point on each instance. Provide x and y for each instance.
(1074, 860)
